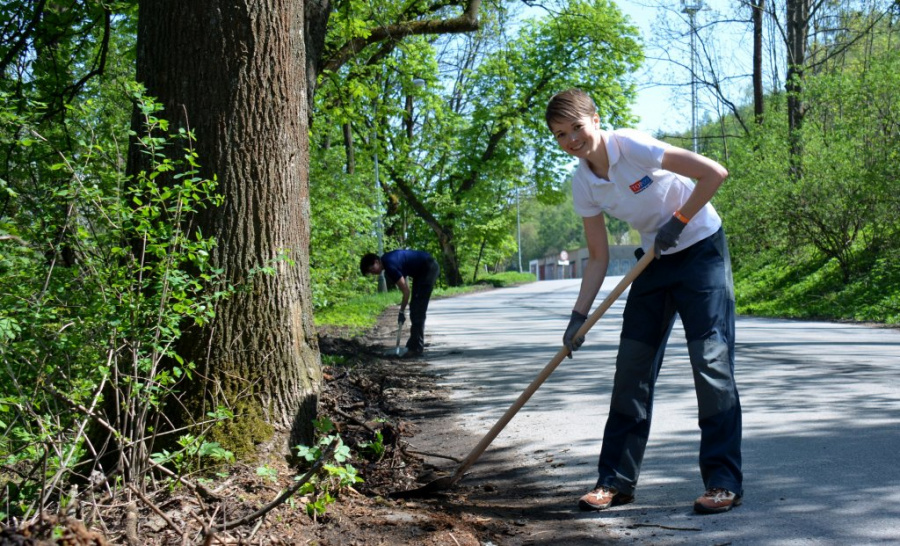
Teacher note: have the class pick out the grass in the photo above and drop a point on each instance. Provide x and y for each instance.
(356, 315)
(812, 287)
(507, 278)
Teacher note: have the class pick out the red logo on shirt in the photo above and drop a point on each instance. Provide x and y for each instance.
(641, 184)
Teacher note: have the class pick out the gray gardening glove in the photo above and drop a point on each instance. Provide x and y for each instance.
(401, 318)
(569, 339)
(668, 235)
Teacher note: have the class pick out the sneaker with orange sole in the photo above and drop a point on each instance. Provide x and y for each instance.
(602, 498)
(716, 500)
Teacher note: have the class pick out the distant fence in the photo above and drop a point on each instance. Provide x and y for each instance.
(621, 260)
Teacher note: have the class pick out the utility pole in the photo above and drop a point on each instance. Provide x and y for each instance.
(691, 8)
(518, 229)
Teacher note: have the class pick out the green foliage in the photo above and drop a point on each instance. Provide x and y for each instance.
(848, 191)
(100, 275)
(193, 454)
(267, 472)
(822, 243)
(505, 105)
(589, 45)
(454, 152)
(335, 477)
(342, 229)
(333, 360)
(550, 228)
(55, 52)
(375, 449)
(356, 315)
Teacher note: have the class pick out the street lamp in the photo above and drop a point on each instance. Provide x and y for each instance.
(518, 228)
(691, 8)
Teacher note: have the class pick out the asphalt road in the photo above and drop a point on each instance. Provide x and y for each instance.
(821, 416)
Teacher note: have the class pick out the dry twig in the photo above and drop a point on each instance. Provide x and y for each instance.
(155, 509)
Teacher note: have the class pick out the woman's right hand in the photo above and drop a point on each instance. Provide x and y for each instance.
(569, 340)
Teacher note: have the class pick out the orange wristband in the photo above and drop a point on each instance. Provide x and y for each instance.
(681, 217)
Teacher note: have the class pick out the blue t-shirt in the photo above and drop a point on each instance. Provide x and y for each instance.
(405, 263)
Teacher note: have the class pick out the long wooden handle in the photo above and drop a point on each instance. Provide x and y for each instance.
(550, 367)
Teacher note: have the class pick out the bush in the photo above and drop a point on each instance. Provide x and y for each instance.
(99, 274)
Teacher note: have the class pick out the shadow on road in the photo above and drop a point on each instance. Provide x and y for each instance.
(821, 406)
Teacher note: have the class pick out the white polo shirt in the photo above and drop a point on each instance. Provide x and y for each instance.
(639, 191)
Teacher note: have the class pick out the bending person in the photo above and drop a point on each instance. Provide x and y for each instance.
(423, 269)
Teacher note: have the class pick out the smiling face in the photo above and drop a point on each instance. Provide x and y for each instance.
(579, 137)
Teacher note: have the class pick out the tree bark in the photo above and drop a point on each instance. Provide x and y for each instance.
(349, 150)
(757, 11)
(798, 12)
(237, 74)
(393, 33)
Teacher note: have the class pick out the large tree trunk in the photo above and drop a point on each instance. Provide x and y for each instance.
(450, 260)
(236, 73)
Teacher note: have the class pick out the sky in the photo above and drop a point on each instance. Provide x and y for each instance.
(661, 108)
(654, 103)
(663, 101)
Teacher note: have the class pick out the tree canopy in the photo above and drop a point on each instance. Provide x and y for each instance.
(454, 151)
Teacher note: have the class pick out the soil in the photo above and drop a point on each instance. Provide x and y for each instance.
(365, 393)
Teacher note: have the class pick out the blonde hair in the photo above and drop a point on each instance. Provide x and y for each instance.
(569, 105)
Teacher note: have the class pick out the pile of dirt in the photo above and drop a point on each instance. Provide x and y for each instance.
(374, 401)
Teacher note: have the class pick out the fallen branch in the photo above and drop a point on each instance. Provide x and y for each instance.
(427, 454)
(205, 492)
(349, 417)
(666, 527)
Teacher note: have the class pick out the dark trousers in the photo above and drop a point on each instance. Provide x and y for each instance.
(697, 284)
(422, 286)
